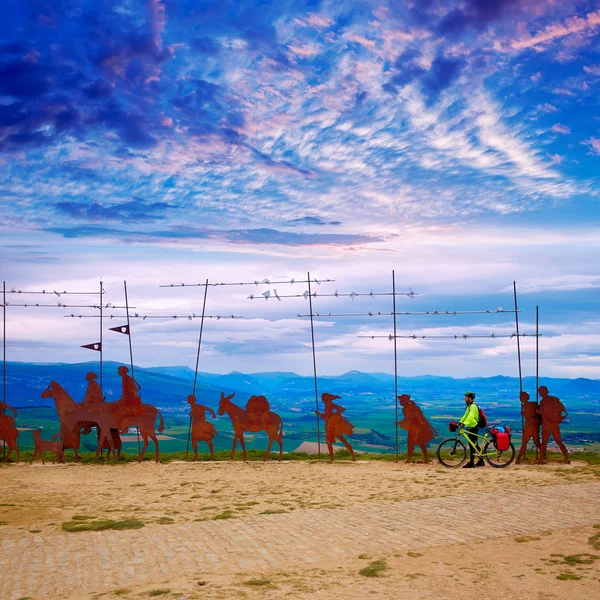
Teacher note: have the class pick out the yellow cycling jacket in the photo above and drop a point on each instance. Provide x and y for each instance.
(471, 416)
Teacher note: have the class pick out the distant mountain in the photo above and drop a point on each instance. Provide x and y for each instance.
(168, 387)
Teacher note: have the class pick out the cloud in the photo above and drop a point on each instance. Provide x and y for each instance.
(563, 283)
(554, 31)
(546, 108)
(135, 211)
(593, 144)
(593, 70)
(558, 128)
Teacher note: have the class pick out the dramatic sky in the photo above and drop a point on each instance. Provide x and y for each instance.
(167, 141)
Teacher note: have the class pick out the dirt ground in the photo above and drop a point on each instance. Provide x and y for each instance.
(36, 500)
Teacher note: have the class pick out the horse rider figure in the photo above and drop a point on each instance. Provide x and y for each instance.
(93, 394)
(130, 403)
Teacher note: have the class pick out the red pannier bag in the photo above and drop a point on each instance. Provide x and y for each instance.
(502, 441)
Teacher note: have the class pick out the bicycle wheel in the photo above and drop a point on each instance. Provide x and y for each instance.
(498, 458)
(452, 453)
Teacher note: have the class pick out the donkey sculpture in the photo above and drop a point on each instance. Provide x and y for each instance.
(259, 419)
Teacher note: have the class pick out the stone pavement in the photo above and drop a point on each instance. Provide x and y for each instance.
(81, 563)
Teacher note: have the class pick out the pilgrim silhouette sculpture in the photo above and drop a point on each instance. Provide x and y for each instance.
(106, 416)
(336, 426)
(530, 412)
(553, 413)
(202, 430)
(8, 431)
(257, 416)
(420, 430)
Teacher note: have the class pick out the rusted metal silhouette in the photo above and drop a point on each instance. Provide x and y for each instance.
(106, 416)
(336, 426)
(40, 446)
(256, 417)
(553, 413)
(130, 402)
(8, 431)
(420, 430)
(531, 429)
(202, 430)
(93, 394)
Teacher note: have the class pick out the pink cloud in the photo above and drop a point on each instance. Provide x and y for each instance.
(558, 30)
(304, 51)
(593, 70)
(557, 158)
(558, 128)
(535, 78)
(315, 21)
(563, 91)
(547, 108)
(593, 144)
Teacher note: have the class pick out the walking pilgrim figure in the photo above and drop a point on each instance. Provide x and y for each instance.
(202, 430)
(336, 426)
(530, 412)
(553, 413)
(9, 433)
(420, 430)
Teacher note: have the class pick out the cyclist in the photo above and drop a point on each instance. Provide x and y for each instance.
(470, 421)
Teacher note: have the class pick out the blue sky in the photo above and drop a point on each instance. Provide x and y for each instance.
(457, 143)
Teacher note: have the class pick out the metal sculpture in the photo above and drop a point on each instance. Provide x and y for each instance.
(257, 416)
(553, 413)
(202, 430)
(420, 430)
(106, 416)
(40, 446)
(8, 431)
(336, 426)
(531, 428)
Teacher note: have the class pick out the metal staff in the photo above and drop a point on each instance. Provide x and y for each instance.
(4, 358)
(395, 360)
(197, 361)
(461, 336)
(144, 317)
(131, 358)
(312, 333)
(427, 312)
(519, 352)
(101, 349)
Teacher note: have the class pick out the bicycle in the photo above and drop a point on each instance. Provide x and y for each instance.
(452, 452)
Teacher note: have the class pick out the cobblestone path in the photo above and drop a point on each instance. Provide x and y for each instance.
(49, 566)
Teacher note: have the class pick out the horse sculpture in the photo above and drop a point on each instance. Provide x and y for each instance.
(9, 432)
(105, 416)
(252, 420)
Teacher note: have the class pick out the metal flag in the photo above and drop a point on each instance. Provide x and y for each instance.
(122, 329)
(97, 346)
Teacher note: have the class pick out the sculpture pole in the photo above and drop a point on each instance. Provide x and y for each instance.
(131, 358)
(312, 333)
(187, 446)
(4, 357)
(395, 359)
(519, 350)
(101, 292)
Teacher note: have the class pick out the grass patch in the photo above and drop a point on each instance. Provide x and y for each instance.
(121, 592)
(35, 531)
(74, 526)
(526, 538)
(593, 540)
(82, 518)
(224, 515)
(3, 522)
(158, 592)
(365, 556)
(413, 554)
(415, 575)
(165, 521)
(272, 511)
(568, 577)
(375, 569)
(580, 559)
(263, 583)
